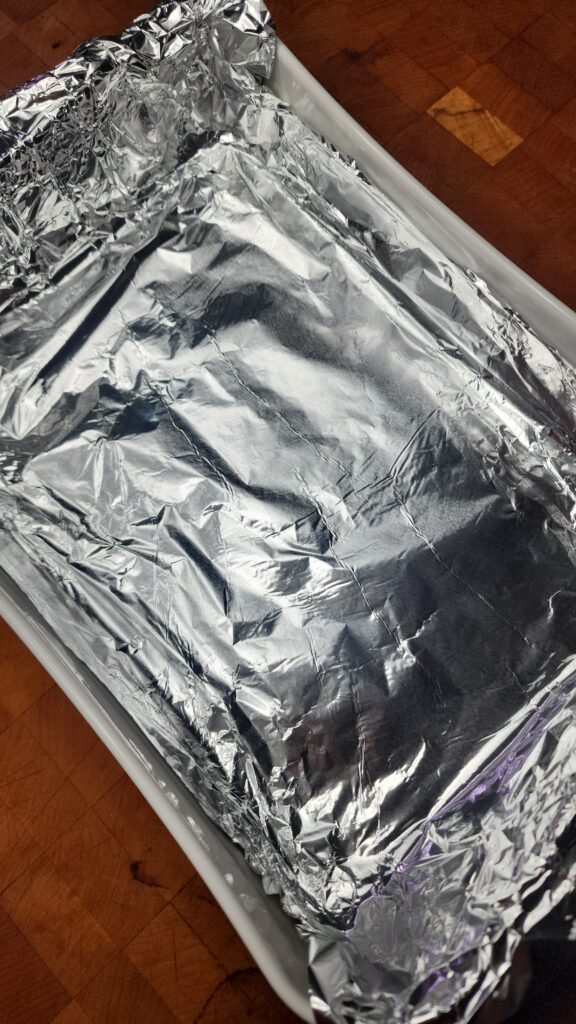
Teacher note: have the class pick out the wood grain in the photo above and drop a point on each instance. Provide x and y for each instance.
(471, 30)
(483, 132)
(401, 75)
(426, 43)
(555, 39)
(58, 925)
(28, 989)
(153, 855)
(177, 964)
(71, 1014)
(120, 994)
(536, 74)
(102, 919)
(511, 16)
(506, 100)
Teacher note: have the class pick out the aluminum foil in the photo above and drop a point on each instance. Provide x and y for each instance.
(301, 492)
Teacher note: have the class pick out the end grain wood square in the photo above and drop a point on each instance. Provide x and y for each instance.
(126, 10)
(245, 998)
(48, 38)
(99, 869)
(22, 679)
(153, 853)
(29, 778)
(536, 74)
(499, 219)
(87, 19)
(381, 112)
(5, 718)
(498, 93)
(553, 263)
(6, 24)
(59, 729)
(396, 71)
(555, 152)
(29, 992)
(72, 1014)
(445, 156)
(341, 27)
(121, 995)
(384, 15)
(426, 44)
(310, 45)
(177, 964)
(17, 62)
(483, 132)
(544, 198)
(511, 16)
(96, 773)
(18, 849)
(21, 12)
(199, 909)
(565, 120)
(472, 31)
(61, 812)
(555, 39)
(58, 926)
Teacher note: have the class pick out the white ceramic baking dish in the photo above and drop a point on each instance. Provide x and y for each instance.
(267, 932)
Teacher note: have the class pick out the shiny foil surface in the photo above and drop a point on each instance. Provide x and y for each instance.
(301, 492)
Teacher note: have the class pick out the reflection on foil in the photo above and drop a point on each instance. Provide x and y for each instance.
(300, 491)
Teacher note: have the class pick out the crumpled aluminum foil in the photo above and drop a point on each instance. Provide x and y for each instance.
(301, 492)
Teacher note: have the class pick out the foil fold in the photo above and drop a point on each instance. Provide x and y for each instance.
(300, 491)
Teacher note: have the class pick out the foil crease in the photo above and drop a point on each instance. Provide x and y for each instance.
(300, 491)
